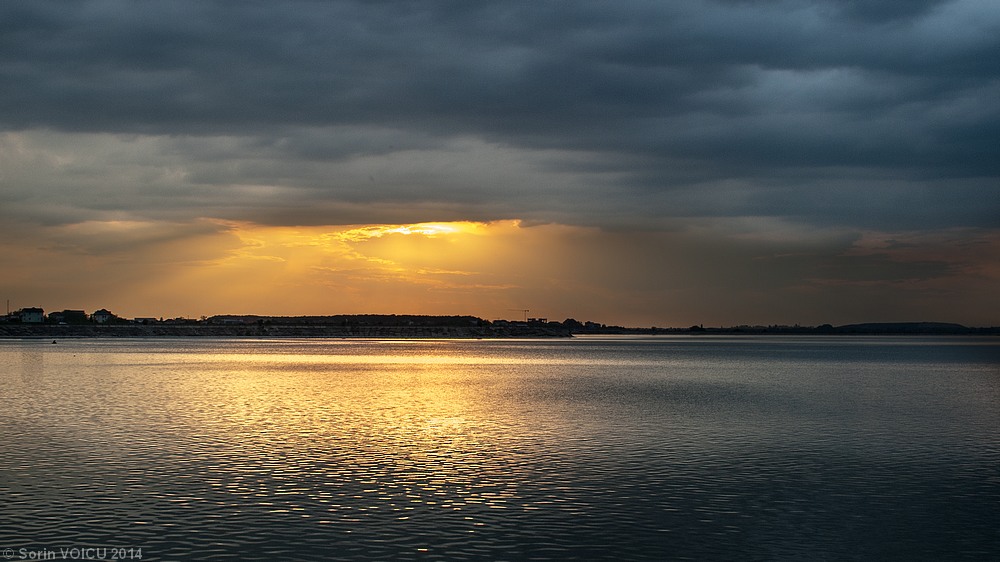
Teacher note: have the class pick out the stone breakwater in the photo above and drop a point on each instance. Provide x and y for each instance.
(23, 331)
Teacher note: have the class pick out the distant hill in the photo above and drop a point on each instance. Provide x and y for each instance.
(903, 328)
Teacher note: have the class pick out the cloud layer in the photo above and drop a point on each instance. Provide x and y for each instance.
(689, 120)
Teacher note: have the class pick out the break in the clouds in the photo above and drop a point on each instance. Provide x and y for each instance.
(682, 120)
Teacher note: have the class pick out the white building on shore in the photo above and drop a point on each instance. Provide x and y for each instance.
(32, 315)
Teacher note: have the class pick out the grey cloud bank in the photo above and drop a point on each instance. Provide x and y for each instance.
(829, 98)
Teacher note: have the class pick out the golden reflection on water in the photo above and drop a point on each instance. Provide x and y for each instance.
(378, 433)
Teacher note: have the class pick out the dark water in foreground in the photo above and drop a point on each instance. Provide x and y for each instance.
(766, 448)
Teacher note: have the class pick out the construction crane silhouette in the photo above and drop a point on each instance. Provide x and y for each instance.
(523, 310)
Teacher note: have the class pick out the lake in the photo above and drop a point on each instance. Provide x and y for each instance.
(660, 448)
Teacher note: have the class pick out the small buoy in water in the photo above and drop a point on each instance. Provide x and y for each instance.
(53, 341)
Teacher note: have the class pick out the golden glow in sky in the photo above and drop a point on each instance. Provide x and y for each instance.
(425, 268)
(489, 269)
(428, 229)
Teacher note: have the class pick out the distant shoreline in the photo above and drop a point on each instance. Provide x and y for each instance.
(29, 331)
(871, 328)
(487, 331)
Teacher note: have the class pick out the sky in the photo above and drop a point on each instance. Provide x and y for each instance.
(641, 163)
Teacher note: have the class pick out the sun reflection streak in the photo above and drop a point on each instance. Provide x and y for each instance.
(352, 436)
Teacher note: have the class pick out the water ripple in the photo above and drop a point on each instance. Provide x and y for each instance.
(266, 450)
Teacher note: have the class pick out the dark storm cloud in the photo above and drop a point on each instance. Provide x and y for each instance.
(843, 112)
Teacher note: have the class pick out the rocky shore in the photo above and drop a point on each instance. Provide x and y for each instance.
(27, 331)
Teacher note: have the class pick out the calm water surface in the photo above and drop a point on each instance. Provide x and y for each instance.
(766, 448)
